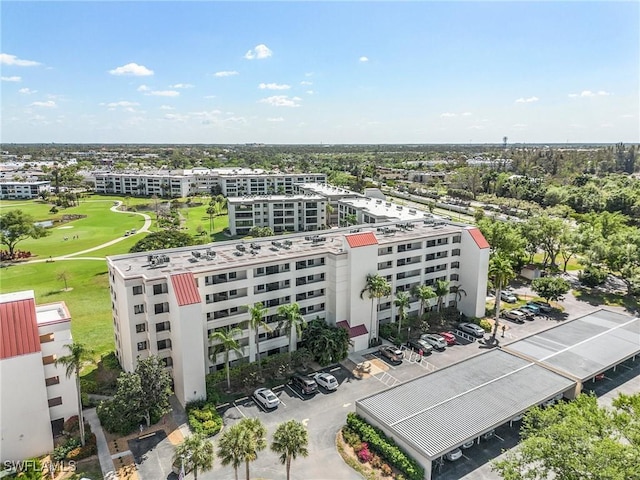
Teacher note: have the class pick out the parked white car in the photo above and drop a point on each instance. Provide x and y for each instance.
(266, 398)
(453, 455)
(326, 381)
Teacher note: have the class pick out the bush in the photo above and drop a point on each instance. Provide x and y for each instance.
(351, 437)
(88, 450)
(204, 419)
(385, 447)
(386, 470)
(364, 455)
(71, 425)
(592, 276)
(88, 386)
(61, 452)
(486, 325)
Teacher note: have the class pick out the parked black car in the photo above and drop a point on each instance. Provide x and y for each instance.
(417, 344)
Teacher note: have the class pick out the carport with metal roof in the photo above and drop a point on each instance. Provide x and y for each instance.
(438, 412)
(584, 347)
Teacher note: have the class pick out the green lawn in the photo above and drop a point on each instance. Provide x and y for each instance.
(88, 301)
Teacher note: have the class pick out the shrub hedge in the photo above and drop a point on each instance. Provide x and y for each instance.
(204, 418)
(385, 447)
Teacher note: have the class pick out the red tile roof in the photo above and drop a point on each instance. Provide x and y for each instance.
(186, 289)
(361, 239)
(477, 236)
(18, 328)
(353, 331)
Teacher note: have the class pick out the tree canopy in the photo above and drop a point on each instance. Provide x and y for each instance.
(161, 240)
(578, 440)
(16, 226)
(550, 288)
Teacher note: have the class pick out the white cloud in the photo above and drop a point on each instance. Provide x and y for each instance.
(143, 88)
(519, 125)
(607, 125)
(132, 69)
(258, 53)
(448, 114)
(166, 107)
(363, 59)
(310, 92)
(476, 127)
(273, 86)
(122, 103)
(275, 119)
(281, 101)
(6, 59)
(27, 91)
(627, 115)
(466, 114)
(176, 116)
(47, 104)
(209, 96)
(225, 73)
(163, 93)
(181, 85)
(589, 93)
(11, 79)
(527, 100)
(304, 82)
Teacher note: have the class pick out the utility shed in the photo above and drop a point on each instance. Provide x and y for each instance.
(436, 413)
(584, 347)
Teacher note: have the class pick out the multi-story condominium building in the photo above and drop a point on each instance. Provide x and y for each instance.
(356, 211)
(35, 394)
(10, 190)
(332, 194)
(168, 302)
(282, 213)
(181, 183)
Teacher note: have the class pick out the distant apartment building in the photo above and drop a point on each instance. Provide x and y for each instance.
(282, 213)
(182, 183)
(12, 190)
(168, 302)
(36, 397)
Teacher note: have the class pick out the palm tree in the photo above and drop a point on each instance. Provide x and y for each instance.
(211, 211)
(377, 287)
(197, 452)
(290, 440)
(227, 343)
(501, 272)
(424, 293)
(230, 447)
(458, 290)
(257, 312)
(78, 356)
(402, 301)
(293, 321)
(442, 290)
(253, 440)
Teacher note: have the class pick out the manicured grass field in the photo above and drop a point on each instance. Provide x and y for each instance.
(89, 301)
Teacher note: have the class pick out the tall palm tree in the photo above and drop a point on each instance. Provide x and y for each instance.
(376, 287)
(402, 301)
(253, 441)
(293, 321)
(226, 342)
(442, 290)
(257, 312)
(459, 291)
(290, 440)
(78, 356)
(230, 447)
(196, 452)
(501, 271)
(211, 211)
(424, 293)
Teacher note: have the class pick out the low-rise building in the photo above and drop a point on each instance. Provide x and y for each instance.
(36, 396)
(13, 190)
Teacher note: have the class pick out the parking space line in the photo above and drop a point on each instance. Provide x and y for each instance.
(335, 369)
(498, 437)
(625, 366)
(295, 393)
(239, 411)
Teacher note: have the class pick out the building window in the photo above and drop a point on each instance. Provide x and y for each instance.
(138, 309)
(454, 277)
(137, 290)
(162, 344)
(49, 359)
(455, 252)
(168, 361)
(455, 264)
(53, 402)
(161, 308)
(142, 346)
(52, 381)
(160, 288)
(456, 239)
(163, 326)
(141, 327)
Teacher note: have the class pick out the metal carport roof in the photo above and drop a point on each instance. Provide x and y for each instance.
(440, 411)
(586, 346)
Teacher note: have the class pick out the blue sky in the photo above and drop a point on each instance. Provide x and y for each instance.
(312, 72)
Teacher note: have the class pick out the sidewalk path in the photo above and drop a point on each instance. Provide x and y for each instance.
(104, 455)
(73, 256)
